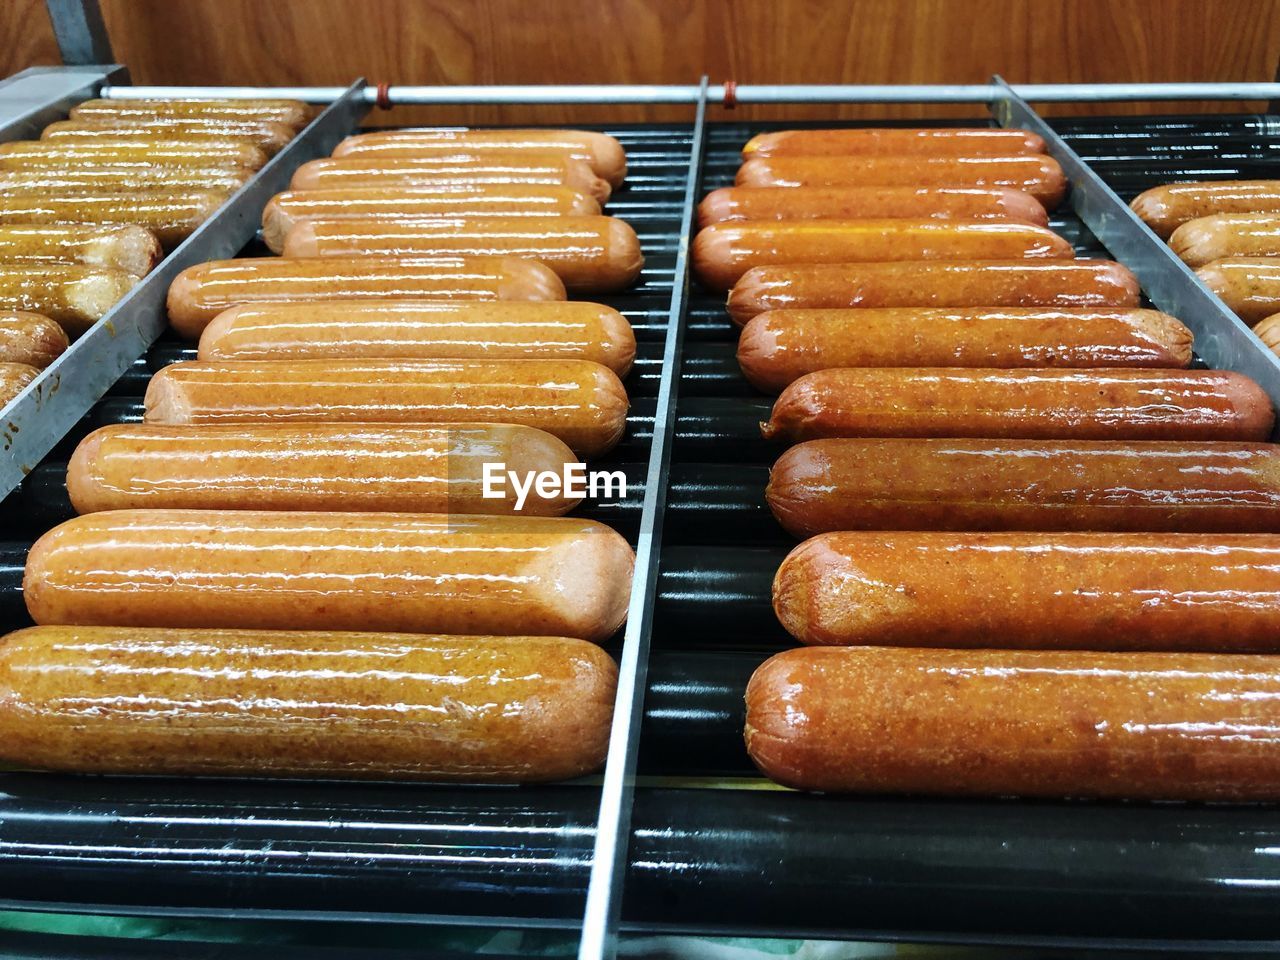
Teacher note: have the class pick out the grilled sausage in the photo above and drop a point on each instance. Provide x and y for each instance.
(319, 466)
(418, 572)
(901, 141)
(171, 215)
(30, 338)
(76, 296)
(590, 254)
(78, 182)
(390, 203)
(1248, 285)
(1110, 404)
(1166, 208)
(1143, 726)
(25, 154)
(1039, 176)
(298, 704)
(445, 172)
(270, 137)
(600, 151)
(1269, 332)
(200, 293)
(723, 252)
(855, 203)
(1085, 591)
(582, 403)
(126, 247)
(923, 484)
(294, 113)
(781, 346)
(422, 330)
(1080, 284)
(14, 378)
(1206, 239)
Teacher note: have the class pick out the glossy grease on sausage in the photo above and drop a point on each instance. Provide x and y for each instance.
(171, 215)
(76, 296)
(124, 247)
(30, 338)
(294, 113)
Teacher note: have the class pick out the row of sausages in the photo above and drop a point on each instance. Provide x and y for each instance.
(302, 514)
(988, 435)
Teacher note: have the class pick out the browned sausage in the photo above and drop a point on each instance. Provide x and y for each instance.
(923, 484)
(582, 403)
(877, 141)
(1205, 239)
(172, 215)
(1079, 284)
(412, 468)
(124, 247)
(255, 703)
(1081, 591)
(783, 345)
(74, 295)
(723, 252)
(25, 154)
(590, 254)
(854, 203)
(14, 378)
(1035, 723)
(447, 172)
(30, 338)
(200, 293)
(50, 183)
(295, 113)
(1039, 176)
(418, 572)
(1248, 285)
(422, 330)
(1110, 404)
(270, 137)
(601, 152)
(1166, 208)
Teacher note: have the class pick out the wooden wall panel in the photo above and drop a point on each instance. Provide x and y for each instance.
(673, 41)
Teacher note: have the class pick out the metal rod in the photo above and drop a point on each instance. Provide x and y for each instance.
(613, 825)
(1222, 339)
(749, 93)
(39, 417)
(80, 31)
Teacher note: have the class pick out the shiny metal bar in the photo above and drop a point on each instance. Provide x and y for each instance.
(609, 855)
(33, 423)
(1222, 339)
(80, 31)
(747, 93)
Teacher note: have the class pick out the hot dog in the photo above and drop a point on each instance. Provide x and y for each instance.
(1034, 723)
(1085, 591)
(14, 378)
(1080, 284)
(26, 154)
(200, 293)
(171, 215)
(582, 403)
(1110, 404)
(48, 182)
(1205, 239)
(417, 572)
(723, 252)
(831, 485)
(297, 704)
(1166, 208)
(590, 254)
(286, 210)
(422, 330)
(292, 112)
(1269, 331)
(781, 346)
(407, 468)
(448, 171)
(877, 141)
(600, 151)
(854, 203)
(271, 137)
(1039, 176)
(125, 247)
(1248, 285)
(76, 296)
(31, 339)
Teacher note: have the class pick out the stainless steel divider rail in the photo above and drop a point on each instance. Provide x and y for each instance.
(51, 405)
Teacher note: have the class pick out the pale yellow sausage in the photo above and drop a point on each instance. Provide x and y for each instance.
(76, 296)
(170, 214)
(295, 113)
(270, 137)
(125, 247)
(24, 154)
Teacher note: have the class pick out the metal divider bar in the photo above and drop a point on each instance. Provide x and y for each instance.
(51, 405)
(1222, 339)
(613, 825)
(35, 97)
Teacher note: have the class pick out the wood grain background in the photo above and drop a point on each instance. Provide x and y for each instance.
(674, 41)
